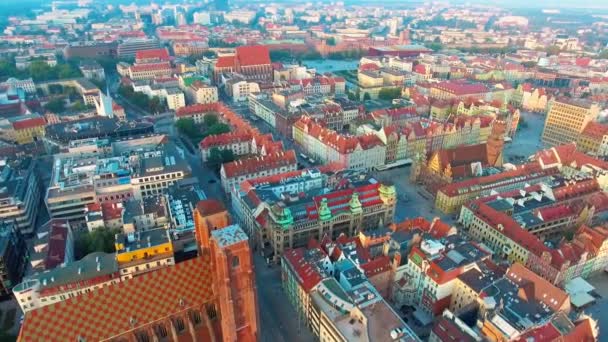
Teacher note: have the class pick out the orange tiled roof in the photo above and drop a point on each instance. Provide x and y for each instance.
(595, 130)
(29, 123)
(210, 207)
(253, 55)
(110, 311)
(256, 164)
(543, 290)
(225, 62)
(197, 109)
(224, 139)
(160, 54)
(151, 67)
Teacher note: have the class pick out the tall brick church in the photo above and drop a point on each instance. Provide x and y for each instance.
(209, 298)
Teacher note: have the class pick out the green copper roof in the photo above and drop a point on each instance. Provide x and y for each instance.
(324, 211)
(355, 204)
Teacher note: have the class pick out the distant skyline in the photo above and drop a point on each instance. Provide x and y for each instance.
(513, 4)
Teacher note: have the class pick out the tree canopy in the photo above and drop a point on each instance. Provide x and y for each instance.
(38, 70)
(389, 93)
(99, 240)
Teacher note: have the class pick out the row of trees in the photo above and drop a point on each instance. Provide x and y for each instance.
(439, 20)
(151, 104)
(38, 70)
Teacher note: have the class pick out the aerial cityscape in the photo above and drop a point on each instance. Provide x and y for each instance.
(335, 171)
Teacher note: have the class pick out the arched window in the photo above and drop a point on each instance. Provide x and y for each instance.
(235, 261)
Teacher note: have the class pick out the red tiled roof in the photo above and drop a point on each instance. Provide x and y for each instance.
(224, 139)
(225, 62)
(198, 108)
(210, 207)
(29, 123)
(595, 130)
(160, 54)
(307, 275)
(118, 308)
(529, 171)
(461, 88)
(369, 66)
(543, 290)
(252, 55)
(111, 211)
(57, 240)
(554, 213)
(150, 66)
(508, 227)
(256, 164)
(376, 266)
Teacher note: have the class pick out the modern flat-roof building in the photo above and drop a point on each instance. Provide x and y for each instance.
(60, 135)
(13, 258)
(143, 251)
(567, 119)
(19, 194)
(129, 47)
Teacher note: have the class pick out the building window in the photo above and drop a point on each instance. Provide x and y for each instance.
(235, 262)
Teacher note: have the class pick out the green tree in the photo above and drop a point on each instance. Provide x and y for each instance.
(99, 240)
(188, 127)
(215, 157)
(389, 93)
(366, 97)
(78, 106)
(218, 128)
(435, 46)
(218, 157)
(55, 106)
(210, 120)
(553, 50)
(55, 89)
(227, 156)
(331, 41)
(603, 54)
(279, 55)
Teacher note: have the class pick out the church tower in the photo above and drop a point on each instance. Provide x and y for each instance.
(495, 143)
(234, 284)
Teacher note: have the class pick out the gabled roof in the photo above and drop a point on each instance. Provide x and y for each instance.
(257, 164)
(224, 139)
(160, 54)
(198, 108)
(308, 276)
(118, 308)
(29, 123)
(541, 289)
(225, 62)
(151, 66)
(252, 55)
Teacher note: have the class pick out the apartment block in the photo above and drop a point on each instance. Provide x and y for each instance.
(19, 194)
(233, 173)
(566, 120)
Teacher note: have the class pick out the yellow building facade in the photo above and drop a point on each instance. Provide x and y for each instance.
(566, 120)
